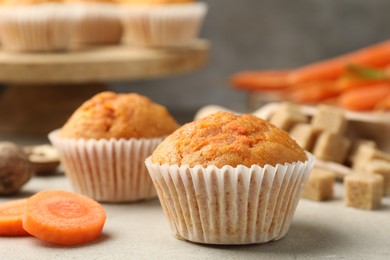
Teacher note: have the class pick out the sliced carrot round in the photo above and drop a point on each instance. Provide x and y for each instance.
(11, 218)
(63, 217)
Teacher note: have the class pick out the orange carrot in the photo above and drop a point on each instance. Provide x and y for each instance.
(11, 218)
(346, 83)
(366, 98)
(377, 55)
(383, 104)
(260, 80)
(312, 92)
(63, 218)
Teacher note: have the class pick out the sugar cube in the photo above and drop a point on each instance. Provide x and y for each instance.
(319, 186)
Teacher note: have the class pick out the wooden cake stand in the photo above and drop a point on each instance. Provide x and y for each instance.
(44, 88)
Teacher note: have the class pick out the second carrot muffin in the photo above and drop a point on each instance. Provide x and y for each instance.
(104, 143)
(36, 25)
(228, 179)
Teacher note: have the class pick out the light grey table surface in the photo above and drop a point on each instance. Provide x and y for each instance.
(326, 230)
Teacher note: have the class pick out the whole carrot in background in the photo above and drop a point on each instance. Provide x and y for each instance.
(358, 76)
(377, 55)
(312, 92)
(383, 104)
(345, 84)
(260, 80)
(364, 98)
(11, 218)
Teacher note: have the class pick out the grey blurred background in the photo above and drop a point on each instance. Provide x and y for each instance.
(263, 34)
(244, 35)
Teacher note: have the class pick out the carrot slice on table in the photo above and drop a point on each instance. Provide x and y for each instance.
(63, 218)
(11, 218)
(260, 80)
(366, 98)
(377, 55)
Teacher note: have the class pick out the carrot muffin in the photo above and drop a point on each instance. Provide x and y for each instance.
(228, 139)
(99, 22)
(110, 115)
(163, 23)
(229, 179)
(104, 143)
(36, 25)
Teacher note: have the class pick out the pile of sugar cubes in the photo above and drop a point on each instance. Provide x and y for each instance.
(323, 134)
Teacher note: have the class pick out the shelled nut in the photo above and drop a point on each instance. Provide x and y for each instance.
(15, 169)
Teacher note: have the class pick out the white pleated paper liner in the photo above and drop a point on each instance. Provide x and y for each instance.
(97, 24)
(230, 205)
(171, 25)
(107, 170)
(37, 28)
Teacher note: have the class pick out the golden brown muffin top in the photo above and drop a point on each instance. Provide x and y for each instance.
(156, 2)
(228, 139)
(110, 115)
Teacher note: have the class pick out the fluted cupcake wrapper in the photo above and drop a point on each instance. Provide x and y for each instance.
(230, 205)
(98, 23)
(164, 26)
(107, 170)
(43, 27)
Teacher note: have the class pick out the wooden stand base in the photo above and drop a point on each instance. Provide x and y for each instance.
(35, 103)
(41, 109)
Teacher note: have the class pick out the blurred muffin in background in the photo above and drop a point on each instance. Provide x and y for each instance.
(36, 25)
(162, 23)
(104, 144)
(98, 23)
